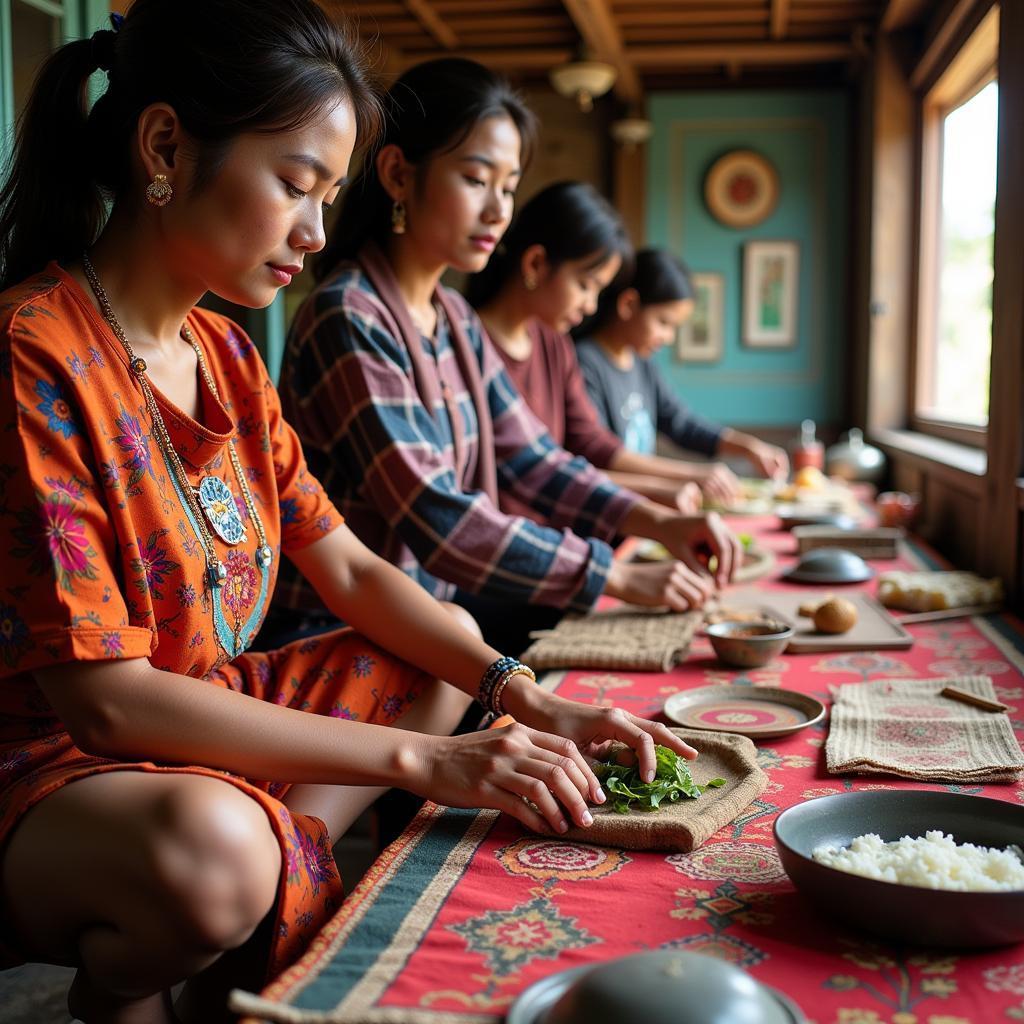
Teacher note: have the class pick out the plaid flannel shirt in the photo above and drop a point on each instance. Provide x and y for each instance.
(391, 467)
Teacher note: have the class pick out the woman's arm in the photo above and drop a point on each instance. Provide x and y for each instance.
(683, 497)
(715, 479)
(368, 417)
(769, 460)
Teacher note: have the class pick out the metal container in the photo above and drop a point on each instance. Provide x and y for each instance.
(853, 459)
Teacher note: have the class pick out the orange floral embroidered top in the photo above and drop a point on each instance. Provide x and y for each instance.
(99, 556)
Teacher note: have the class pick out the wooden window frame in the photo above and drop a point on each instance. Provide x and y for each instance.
(970, 65)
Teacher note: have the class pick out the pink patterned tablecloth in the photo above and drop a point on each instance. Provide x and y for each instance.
(465, 910)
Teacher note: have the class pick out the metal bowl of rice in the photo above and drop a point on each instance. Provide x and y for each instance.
(912, 913)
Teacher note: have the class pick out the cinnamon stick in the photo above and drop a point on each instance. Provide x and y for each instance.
(966, 697)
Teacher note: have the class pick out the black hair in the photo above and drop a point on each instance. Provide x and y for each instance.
(225, 66)
(429, 110)
(657, 276)
(571, 219)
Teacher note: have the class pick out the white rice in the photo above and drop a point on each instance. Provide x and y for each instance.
(932, 862)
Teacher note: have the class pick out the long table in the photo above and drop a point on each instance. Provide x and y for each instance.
(465, 910)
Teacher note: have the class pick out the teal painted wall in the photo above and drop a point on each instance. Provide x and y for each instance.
(805, 136)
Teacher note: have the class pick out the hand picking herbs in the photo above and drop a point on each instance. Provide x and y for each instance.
(672, 780)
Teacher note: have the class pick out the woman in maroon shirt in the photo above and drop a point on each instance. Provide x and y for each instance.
(565, 245)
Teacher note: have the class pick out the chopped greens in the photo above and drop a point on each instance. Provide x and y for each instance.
(672, 781)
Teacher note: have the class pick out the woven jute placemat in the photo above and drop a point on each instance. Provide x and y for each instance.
(686, 824)
(620, 638)
(905, 727)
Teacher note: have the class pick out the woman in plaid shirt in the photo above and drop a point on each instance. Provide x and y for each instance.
(406, 412)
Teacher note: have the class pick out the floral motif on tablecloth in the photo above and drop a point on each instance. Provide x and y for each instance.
(732, 860)
(968, 666)
(901, 984)
(769, 759)
(953, 645)
(855, 1015)
(603, 685)
(723, 907)
(769, 675)
(758, 814)
(722, 947)
(864, 664)
(546, 860)
(1009, 978)
(510, 939)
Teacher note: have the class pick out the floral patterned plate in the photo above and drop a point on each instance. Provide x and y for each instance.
(755, 711)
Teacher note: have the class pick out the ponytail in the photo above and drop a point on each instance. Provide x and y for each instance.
(226, 67)
(51, 206)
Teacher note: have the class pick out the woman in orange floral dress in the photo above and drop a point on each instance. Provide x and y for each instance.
(167, 800)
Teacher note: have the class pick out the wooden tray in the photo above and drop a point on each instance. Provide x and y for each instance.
(877, 542)
(875, 630)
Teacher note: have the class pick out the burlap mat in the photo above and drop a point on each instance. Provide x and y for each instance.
(628, 637)
(904, 727)
(686, 824)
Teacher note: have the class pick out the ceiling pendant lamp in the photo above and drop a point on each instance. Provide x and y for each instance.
(583, 81)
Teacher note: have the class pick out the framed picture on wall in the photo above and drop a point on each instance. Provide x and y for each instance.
(701, 339)
(771, 274)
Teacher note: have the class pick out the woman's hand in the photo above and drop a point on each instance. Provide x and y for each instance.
(695, 539)
(769, 460)
(688, 499)
(669, 583)
(592, 729)
(511, 769)
(718, 482)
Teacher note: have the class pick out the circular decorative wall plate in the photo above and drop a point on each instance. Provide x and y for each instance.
(741, 189)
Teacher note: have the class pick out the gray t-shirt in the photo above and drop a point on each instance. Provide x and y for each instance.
(638, 404)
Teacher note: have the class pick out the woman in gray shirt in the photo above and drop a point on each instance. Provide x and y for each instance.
(637, 316)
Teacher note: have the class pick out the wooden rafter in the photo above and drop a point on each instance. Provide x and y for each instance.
(509, 61)
(901, 13)
(596, 25)
(780, 18)
(432, 22)
(680, 55)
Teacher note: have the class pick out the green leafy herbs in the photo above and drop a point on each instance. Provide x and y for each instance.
(672, 781)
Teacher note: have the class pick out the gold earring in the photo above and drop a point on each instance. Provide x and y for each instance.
(398, 217)
(159, 191)
(529, 281)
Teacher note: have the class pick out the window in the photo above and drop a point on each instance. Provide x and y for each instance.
(958, 190)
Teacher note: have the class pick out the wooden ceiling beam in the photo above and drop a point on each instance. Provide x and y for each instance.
(900, 14)
(683, 55)
(946, 24)
(533, 59)
(596, 25)
(779, 18)
(433, 23)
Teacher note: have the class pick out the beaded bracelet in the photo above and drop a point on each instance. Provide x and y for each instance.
(497, 705)
(496, 678)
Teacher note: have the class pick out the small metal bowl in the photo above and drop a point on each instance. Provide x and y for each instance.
(749, 644)
(830, 565)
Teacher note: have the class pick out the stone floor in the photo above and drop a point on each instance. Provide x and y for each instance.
(37, 993)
